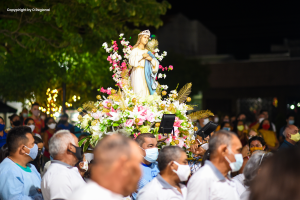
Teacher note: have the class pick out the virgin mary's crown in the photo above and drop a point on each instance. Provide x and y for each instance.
(145, 32)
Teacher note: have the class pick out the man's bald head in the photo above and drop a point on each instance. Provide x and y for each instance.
(111, 148)
(290, 130)
(116, 165)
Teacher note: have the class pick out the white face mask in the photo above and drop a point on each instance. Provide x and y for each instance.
(32, 127)
(52, 125)
(260, 120)
(216, 119)
(235, 166)
(85, 165)
(205, 121)
(183, 171)
(205, 146)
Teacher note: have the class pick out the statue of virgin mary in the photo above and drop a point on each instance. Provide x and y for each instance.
(144, 67)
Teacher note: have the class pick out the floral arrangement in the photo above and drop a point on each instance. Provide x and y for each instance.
(123, 111)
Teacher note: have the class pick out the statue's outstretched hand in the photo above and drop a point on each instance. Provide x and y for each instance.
(145, 55)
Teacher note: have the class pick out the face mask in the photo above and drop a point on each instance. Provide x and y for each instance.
(252, 149)
(235, 166)
(85, 165)
(226, 128)
(43, 117)
(151, 154)
(17, 123)
(291, 122)
(78, 153)
(183, 171)
(205, 121)
(260, 120)
(216, 119)
(2, 126)
(205, 146)
(295, 137)
(32, 127)
(266, 126)
(52, 125)
(36, 113)
(33, 152)
(240, 127)
(24, 115)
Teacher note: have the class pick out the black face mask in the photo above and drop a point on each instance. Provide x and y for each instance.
(78, 154)
(17, 123)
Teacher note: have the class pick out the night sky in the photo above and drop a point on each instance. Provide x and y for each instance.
(244, 27)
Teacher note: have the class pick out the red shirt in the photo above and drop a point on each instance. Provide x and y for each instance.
(39, 124)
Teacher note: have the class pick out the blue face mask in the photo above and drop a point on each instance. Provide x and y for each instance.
(33, 151)
(2, 126)
(151, 154)
(291, 122)
(236, 166)
(226, 128)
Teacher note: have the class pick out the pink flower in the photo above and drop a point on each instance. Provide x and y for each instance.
(150, 117)
(116, 48)
(181, 142)
(108, 58)
(142, 110)
(166, 68)
(105, 102)
(141, 121)
(159, 136)
(160, 67)
(177, 122)
(115, 43)
(129, 122)
(96, 115)
(103, 90)
(108, 92)
(171, 67)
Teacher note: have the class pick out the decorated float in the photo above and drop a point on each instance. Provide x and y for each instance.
(137, 102)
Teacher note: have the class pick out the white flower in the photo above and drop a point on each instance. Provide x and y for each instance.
(111, 68)
(108, 50)
(109, 88)
(85, 121)
(156, 50)
(164, 53)
(165, 76)
(104, 45)
(113, 57)
(119, 57)
(121, 35)
(165, 87)
(159, 75)
(156, 55)
(115, 116)
(95, 130)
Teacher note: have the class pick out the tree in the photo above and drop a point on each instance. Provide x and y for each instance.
(45, 49)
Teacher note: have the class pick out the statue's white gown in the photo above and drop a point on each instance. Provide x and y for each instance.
(137, 77)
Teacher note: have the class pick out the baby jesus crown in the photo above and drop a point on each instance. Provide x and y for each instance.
(145, 32)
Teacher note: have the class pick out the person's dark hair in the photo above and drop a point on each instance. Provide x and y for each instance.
(262, 111)
(219, 138)
(27, 120)
(37, 140)
(35, 104)
(46, 123)
(13, 116)
(279, 177)
(140, 139)
(168, 154)
(17, 136)
(223, 124)
(2, 119)
(261, 124)
(3, 152)
(205, 157)
(260, 139)
(290, 115)
(65, 115)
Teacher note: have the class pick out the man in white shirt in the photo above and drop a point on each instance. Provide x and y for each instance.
(115, 172)
(174, 168)
(62, 178)
(212, 180)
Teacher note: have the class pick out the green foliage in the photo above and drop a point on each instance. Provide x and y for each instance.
(39, 50)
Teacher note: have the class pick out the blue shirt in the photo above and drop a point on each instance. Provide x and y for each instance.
(3, 139)
(18, 184)
(149, 173)
(62, 126)
(285, 145)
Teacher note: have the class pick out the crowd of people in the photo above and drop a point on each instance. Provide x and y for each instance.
(41, 159)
